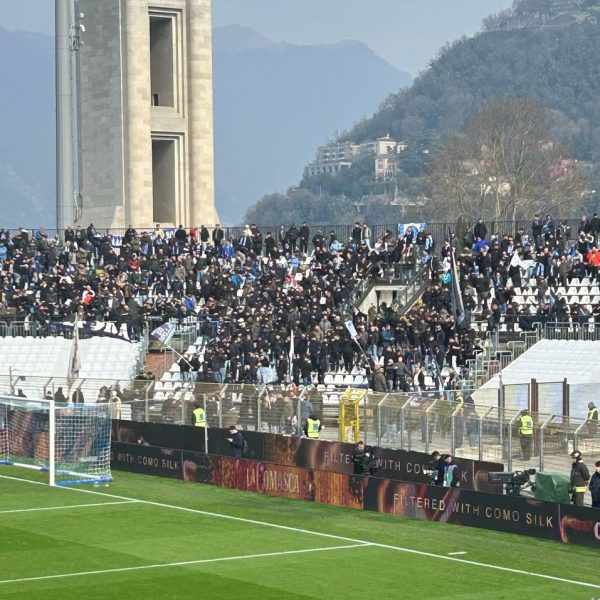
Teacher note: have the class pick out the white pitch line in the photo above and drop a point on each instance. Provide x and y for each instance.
(26, 510)
(180, 564)
(455, 553)
(330, 536)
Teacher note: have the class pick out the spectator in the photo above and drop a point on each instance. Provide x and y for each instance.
(237, 442)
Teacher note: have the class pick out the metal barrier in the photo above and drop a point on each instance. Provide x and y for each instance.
(343, 232)
(424, 422)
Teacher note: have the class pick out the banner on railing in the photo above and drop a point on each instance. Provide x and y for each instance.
(414, 228)
(525, 516)
(336, 457)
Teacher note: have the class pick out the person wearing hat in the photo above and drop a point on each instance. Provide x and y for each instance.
(379, 381)
(579, 478)
(592, 419)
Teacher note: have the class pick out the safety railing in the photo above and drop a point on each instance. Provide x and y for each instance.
(439, 230)
(423, 421)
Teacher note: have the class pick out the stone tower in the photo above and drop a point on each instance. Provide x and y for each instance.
(146, 113)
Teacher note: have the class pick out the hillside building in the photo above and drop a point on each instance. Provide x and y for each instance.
(334, 158)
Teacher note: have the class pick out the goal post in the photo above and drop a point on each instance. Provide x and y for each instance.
(69, 441)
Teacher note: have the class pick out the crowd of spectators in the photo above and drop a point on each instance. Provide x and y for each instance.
(521, 278)
(273, 305)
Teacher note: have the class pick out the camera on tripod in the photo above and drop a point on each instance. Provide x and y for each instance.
(515, 482)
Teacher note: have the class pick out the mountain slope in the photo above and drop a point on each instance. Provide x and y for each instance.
(555, 66)
(274, 103)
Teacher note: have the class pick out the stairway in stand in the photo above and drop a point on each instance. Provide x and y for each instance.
(157, 363)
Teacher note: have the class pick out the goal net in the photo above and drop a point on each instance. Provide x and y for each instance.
(69, 441)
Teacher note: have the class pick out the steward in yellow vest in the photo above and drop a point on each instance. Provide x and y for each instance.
(199, 417)
(312, 427)
(526, 434)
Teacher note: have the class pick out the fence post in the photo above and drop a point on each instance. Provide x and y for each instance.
(510, 439)
(205, 424)
(258, 410)
(402, 424)
(146, 406)
(428, 425)
(452, 433)
(481, 418)
(542, 435)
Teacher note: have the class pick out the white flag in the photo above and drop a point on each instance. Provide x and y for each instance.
(164, 333)
(351, 329)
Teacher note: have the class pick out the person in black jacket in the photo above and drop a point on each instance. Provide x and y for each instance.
(579, 478)
(435, 469)
(237, 442)
(595, 486)
(363, 459)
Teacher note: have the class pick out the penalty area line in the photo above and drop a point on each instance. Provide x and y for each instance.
(66, 507)
(185, 563)
(332, 536)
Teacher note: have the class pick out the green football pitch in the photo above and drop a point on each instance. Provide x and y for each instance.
(150, 538)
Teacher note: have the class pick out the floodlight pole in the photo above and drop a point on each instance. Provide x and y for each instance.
(65, 189)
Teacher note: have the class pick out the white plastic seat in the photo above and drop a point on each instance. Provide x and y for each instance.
(328, 379)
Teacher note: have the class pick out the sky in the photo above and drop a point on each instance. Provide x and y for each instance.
(407, 33)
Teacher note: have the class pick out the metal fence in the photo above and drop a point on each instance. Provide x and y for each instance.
(487, 430)
(344, 231)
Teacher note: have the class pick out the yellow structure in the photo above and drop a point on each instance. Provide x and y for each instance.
(350, 414)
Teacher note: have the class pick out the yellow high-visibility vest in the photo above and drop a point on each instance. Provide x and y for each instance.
(199, 417)
(592, 414)
(526, 425)
(313, 428)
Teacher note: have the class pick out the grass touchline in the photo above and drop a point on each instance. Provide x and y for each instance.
(327, 535)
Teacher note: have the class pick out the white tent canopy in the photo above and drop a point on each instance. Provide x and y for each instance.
(553, 361)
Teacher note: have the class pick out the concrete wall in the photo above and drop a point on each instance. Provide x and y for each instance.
(102, 142)
(119, 122)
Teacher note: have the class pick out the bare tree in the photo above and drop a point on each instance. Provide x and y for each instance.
(506, 166)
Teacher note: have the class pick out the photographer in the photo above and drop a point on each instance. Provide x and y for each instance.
(237, 442)
(435, 469)
(363, 459)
